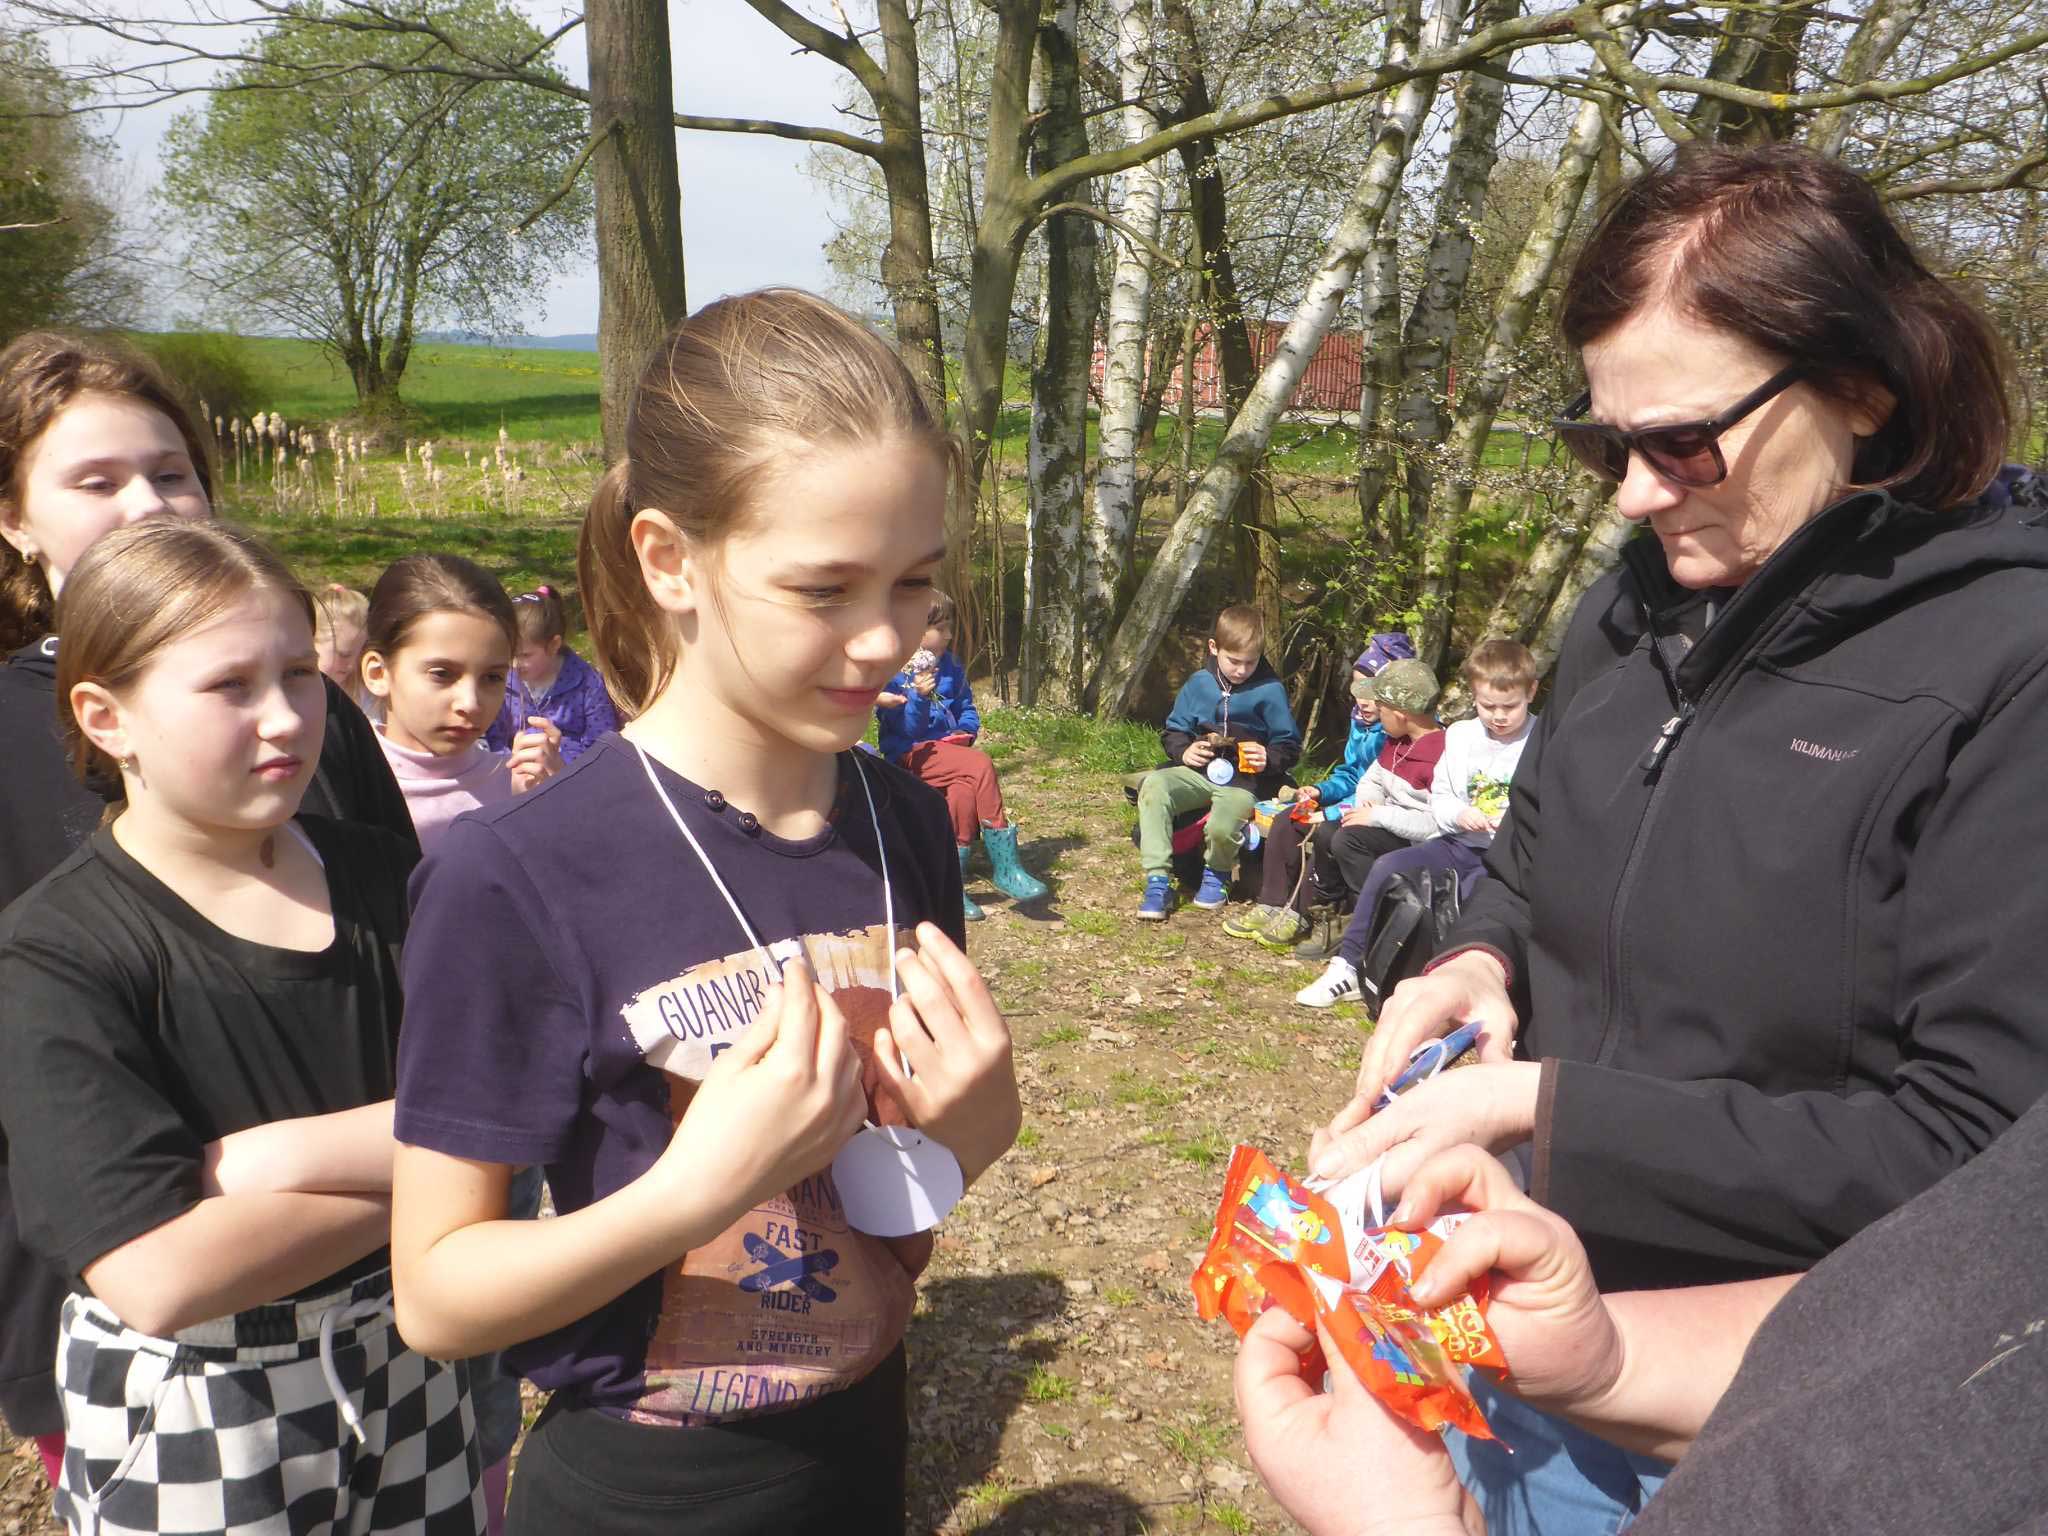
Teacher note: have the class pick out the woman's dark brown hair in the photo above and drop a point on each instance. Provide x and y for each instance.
(41, 372)
(742, 388)
(414, 586)
(1794, 253)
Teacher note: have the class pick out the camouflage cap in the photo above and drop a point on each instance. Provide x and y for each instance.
(1407, 685)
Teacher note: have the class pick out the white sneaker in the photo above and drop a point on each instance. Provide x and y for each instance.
(1338, 983)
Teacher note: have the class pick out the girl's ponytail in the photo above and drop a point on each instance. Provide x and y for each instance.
(633, 639)
(27, 612)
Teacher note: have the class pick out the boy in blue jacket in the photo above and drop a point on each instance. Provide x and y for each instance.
(926, 721)
(1230, 739)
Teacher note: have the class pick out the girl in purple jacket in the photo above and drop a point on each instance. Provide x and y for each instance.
(555, 681)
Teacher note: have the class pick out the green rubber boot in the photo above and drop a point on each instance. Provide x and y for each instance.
(1010, 875)
(974, 914)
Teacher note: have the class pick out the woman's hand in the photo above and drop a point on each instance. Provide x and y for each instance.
(1198, 754)
(536, 754)
(779, 1105)
(1339, 1462)
(1469, 988)
(1252, 756)
(1490, 1105)
(1561, 1343)
(960, 1086)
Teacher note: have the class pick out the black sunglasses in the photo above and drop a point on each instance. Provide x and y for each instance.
(1686, 452)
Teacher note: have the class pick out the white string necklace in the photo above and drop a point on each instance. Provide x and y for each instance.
(892, 1181)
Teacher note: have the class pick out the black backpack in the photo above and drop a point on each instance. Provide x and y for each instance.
(1413, 918)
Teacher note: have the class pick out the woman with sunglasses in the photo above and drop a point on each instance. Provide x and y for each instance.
(1763, 954)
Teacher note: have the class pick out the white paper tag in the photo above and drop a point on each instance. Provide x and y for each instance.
(894, 1181)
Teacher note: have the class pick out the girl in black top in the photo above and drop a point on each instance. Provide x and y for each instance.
(92, 437)
(207, 965)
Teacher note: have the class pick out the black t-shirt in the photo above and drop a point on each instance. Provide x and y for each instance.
(136, 1031)
(45, 813)
(1901, 1385)
(571, 973)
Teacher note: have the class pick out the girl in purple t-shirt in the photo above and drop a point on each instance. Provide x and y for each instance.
(678, 975)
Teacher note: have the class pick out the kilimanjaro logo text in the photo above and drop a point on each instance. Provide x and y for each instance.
(1825, 754)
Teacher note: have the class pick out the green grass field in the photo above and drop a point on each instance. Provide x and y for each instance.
(469, 392)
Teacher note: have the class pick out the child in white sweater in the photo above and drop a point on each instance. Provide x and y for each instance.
(1468, 797)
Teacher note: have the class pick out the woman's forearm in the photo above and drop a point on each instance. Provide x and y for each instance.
(347, 1152)
(232, 1252)
(1680, 1350)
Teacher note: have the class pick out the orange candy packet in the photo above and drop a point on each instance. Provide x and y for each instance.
(1279, 1243)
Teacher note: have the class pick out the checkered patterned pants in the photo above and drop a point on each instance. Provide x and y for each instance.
(232, 1428)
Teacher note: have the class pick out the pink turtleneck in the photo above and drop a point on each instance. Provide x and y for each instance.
(439, 789)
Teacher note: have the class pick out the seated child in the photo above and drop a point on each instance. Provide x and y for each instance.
(551, 681)
(436, 653)
(1468, 797)
(926, 722)
(1391, 809)
(1279, 920)
(339, 614)
(1230, 739)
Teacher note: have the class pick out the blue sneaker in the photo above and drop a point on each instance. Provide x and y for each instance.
(1214, 893)
(1158, 900)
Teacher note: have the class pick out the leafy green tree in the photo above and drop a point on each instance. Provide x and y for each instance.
(357, 192)
(58, 256)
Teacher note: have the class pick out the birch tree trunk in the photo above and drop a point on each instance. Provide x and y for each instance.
(1251, 429)
(1596, 557)
(1058, 458)
(1877, 37)
(1123, 379)
(1486, 385)
(1422, 418)
(1380, 347)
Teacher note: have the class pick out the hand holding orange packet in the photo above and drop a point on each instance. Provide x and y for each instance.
(1277, 1242)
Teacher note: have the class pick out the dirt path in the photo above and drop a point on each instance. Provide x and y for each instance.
(1060, 1381)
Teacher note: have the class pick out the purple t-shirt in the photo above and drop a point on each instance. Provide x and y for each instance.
(570, 972)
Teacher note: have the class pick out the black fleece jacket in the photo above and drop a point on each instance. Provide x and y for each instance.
(45, 812)
(1770, 893)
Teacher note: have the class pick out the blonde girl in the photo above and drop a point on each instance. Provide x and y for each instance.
(682, 974)
(195, 1080)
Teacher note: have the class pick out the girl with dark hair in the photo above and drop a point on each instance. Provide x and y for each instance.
(437, 650)
(196, 1077)
(549, 681)
(680, 975)
(1758, 960)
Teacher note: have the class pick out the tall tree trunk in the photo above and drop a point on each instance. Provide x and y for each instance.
(1256, 550)
(1486, 385)
(1380, 341)
(1875, 40)
(1595, 558)
(999, 234)
(1760, 51)
(1058, 458)
(908, 266)
(639, 197)
(1123, 377)
(1423, 416)
(1251, 429)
